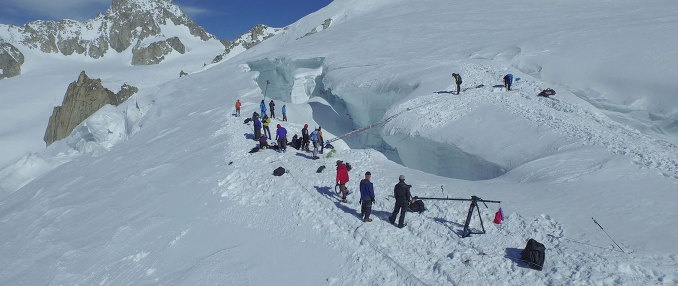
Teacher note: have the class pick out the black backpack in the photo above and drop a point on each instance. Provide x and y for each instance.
(417, 206)
(547, 92)
(279, 171)
(533, 254)
(348, 166)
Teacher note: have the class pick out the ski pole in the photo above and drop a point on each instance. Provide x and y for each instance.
(266, 89)
(601, 228)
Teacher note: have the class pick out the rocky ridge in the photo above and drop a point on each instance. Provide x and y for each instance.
(83, 97)
(251, 38)
(11, 60)
(137, 24)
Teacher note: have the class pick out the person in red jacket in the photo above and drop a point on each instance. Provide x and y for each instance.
(342, 179)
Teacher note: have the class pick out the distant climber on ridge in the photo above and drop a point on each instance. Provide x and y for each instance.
(457, 81)
(508, 80)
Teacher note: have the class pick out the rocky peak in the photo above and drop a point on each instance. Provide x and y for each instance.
(251, 38)
(11, 60)
(126, 24)
(83, 97)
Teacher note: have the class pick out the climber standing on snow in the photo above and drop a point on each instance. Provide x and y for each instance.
(342, 179)
(284, 112)
(237, 108)
(262, 106)
(457, 80)
(257, 126)
(314, 139)
(366, 197)
(304, 138)
(272, 106)
(508, 80)
(401, 192)
(281, 137)
(265, 122)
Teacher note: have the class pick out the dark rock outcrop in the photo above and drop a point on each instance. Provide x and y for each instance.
(11, 60)
(83, 97)
(156, 52)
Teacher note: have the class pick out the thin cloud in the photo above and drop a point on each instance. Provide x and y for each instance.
(55, 10)
(194, 12)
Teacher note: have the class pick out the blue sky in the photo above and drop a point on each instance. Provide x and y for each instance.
(224, 18)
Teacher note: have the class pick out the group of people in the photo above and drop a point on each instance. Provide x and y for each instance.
(280, 133)
(262, 107)
(508, 81)
(315, 138)
(401, 193)
(262, 123)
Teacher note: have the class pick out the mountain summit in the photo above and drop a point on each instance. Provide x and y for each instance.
(151, 28)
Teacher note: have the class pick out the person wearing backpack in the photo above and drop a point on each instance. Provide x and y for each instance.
(272, 106)
(281, 137)
(366, 197)
(314, 140)
(237, 108)
(342, 179)
(508, 80)
(257, 127)
(402, 195)
(457, 81)
(265, 122)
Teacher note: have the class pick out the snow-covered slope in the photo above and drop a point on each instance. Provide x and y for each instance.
(180, 201)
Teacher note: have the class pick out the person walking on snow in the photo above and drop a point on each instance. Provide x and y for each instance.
(284, 112)
(304, 138)
(366, 197)
(281, 137)
(401, 192)
(457, 80)
(262, 106)
(272, 106)
(314, 139)
(265, 122)
(508, 80)
(342, 179)
(257, 127)
(237, 108)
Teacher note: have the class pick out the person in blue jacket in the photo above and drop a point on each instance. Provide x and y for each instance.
(508, 80)
(262, 106)
(366, 197)
(284, 112)
(281, 137)
(257, 127)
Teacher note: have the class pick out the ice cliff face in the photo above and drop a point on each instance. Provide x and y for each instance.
(148, 27)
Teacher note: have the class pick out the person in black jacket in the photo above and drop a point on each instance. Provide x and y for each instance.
(401, 192)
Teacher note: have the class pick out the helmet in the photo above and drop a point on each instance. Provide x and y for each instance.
(278, 125)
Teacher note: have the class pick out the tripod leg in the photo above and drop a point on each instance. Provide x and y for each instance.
(467, 230)
(481, 218)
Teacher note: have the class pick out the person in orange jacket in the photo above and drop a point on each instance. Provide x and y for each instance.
(237, 108)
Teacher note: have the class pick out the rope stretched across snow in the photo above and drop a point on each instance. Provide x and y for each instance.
(358, 131)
